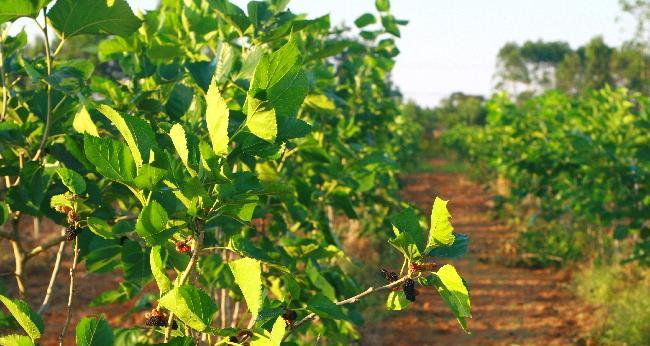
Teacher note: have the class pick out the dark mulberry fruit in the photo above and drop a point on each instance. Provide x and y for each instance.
(157, 321)
(289, 316)
(71, 233)
(409, 289)
(390, 276)
(233, 339)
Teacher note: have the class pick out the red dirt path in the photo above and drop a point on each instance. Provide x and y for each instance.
(510, 306)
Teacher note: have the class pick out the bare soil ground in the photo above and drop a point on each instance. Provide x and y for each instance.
(510, 306)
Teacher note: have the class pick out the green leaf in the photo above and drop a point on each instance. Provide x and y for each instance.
(100, 227)
(202, 72)
(280, 76)
(192, 306)
(31, 322)
(83, 123)
(179, 139)
(324, 307)
(226, 62)
(135, 263)
(397, 301)
(406, 245)
(454, 251)
(179, 101)
(408, 222)
(216, 118)
(151, 223)
(275, 337)
(365, 20)
(319, 281)
(234, 15)
(70, 76)
(10, 10)
(111, 158)
(390, 25)
(157, 260)
(441, 232)
(93, 331)
(108, 17)
(16, 340)
(382, 5)
(248, 276)
(72, 180)
(138, 134)
(63, 199)
(149, 176)
(28, 196)
(453, 291)
(261, 119)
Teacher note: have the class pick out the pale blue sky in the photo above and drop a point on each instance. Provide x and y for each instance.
(451, 45)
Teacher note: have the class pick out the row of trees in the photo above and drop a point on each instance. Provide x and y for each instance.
(209, 153)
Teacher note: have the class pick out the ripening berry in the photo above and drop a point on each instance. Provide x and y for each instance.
(414, 267)
(419, 267)
(409, 289)
(233, 339)
(63, 209)
(71, 232)
(182, 247)
(72, 217)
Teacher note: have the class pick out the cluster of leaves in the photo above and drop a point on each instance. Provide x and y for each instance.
(238, 137)
(585, 159)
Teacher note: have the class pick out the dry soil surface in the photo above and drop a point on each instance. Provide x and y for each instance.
(510, 306)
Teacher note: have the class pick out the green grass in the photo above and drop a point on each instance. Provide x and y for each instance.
(623, 293)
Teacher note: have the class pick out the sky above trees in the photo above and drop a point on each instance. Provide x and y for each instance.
(452, 46)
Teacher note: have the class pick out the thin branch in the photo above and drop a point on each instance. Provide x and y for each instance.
(183, 278)
(48, 244)
(48, 114)
(18, 256)
(55, 272)
(350, 300)
(5, 96)
(235, 315)
(73, 268)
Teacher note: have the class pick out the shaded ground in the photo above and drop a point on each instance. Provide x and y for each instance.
(510, 306)
(88, 286)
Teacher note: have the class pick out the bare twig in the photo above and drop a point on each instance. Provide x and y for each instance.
(73, 268)
(350, 300)
(5, 96)
(184, 276)
(55, 271)
(48, 114)
(48, 244)
(235, 315)
(18, 256)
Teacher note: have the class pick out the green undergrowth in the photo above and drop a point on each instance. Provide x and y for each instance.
(621, 293)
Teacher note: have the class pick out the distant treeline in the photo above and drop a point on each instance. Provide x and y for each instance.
(531, 68)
